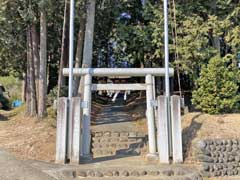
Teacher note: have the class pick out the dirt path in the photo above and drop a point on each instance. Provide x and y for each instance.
(113, 117)
(26, 138)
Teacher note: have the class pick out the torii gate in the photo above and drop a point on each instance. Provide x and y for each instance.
(73, 131)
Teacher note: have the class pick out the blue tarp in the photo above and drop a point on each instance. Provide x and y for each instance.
(17, 103)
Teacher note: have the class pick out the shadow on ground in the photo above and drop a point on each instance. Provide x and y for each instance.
(189, 133)
(111, 114)
(3, 118)
(133, 150)
(105, 118)
(106, 158)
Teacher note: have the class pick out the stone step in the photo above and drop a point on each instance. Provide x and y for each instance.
(128, 144)
(118, 143)
(134, 174)
(118, 134)
(117, 140)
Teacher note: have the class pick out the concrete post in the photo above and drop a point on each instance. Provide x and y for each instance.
(176, 129)
(166, 48)
(69, 129)
(150, 116)
(154, 87)
(76, 115)
(70, 87)
(61, 142)
(71, 48)
(166, 61)
(87, 98)
(162, 134)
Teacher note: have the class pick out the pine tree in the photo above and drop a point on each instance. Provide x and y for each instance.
(217, 90)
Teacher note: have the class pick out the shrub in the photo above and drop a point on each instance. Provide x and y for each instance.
(13, 87)
(52, 96)
(4, 103)
(217, 88)
(52, 117)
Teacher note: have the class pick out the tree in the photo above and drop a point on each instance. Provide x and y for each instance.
(80, 45)
(36, 58)
(43, 65)
(217, 87)
(125, 32)
(31, 84)
(88, 43)
(64, 47)
(12, 39)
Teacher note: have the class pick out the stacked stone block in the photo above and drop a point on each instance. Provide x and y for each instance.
(220, 157)
(159, 173)
(118, 143)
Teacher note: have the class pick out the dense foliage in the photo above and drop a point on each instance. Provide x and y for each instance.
(4, 103)
(130, 34)
(218, 87)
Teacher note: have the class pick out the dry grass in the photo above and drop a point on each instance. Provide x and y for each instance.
(197, 126)
(26, 138)
(220, 126)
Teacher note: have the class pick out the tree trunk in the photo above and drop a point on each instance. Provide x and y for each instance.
(175, 42)
(35, 49)
(64, 48)
(43, 66)
(27, 84)
(79, 53)
(32, 82)
(88, 43)
(31, 86)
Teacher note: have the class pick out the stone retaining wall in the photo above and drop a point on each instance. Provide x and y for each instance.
(220, 157)
(118, 143)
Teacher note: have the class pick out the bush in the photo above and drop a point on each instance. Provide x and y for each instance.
(12, 86)
(4, 103)
(52, 96)
(52, 117)
(217, 88)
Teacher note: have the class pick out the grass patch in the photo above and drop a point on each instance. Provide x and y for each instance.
(13, 87)
(51, 118)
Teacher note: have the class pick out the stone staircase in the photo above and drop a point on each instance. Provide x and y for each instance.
(118, 144)
(114, 133)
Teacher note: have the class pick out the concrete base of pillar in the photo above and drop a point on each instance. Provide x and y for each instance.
(152, 157)
(86, 158)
